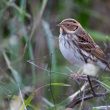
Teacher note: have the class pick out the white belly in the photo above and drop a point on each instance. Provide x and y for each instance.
(71, 54)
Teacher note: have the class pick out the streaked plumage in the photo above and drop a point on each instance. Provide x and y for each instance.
(78, 47)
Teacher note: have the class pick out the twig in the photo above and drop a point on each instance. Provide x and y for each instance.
(79, 100)
(73, 96)
(102, 107)
(81, 105)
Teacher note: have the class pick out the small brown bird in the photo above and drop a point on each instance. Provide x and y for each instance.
(79, 48)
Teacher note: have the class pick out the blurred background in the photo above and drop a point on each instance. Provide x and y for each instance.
(33, 73)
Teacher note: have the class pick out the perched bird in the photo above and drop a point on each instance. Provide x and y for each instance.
(78, 47)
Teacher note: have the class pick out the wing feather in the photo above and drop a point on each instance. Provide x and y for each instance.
(87, 44)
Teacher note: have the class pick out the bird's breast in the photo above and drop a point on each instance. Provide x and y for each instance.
(70, 51)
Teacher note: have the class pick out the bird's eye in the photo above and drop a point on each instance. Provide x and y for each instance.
(68, 24)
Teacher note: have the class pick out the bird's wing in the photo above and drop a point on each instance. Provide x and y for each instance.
(86, 43)
(94, 49)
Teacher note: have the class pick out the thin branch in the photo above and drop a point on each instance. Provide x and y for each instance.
(107, 107)
(73, 96)
(79, 100)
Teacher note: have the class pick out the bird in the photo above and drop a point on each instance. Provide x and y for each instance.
(79, 48)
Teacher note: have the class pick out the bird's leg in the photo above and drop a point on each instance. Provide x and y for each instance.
(79, 74)
(93, 92)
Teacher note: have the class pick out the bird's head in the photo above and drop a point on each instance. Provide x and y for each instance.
(68, 25)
